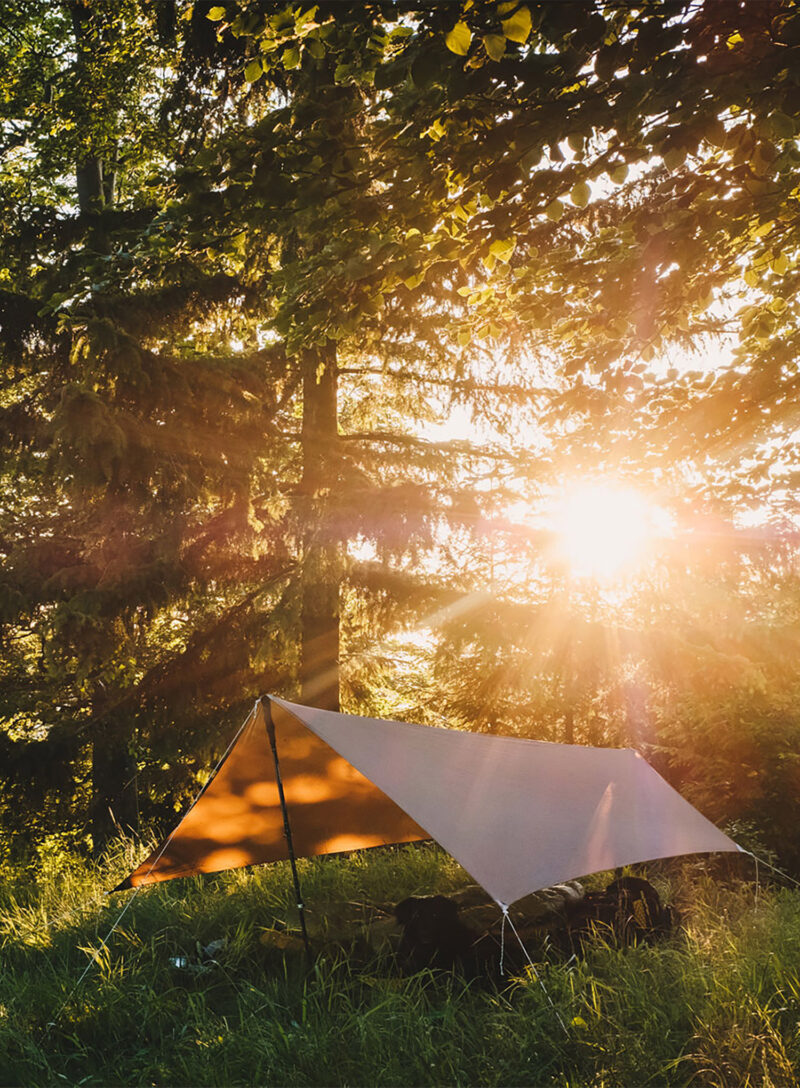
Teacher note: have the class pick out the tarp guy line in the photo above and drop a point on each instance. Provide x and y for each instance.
(131, 898)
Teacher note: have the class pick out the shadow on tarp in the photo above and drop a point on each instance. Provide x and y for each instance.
(237, 821)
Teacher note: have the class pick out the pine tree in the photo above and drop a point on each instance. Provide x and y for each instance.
(134, 436)
(251, 246)
(181, 458)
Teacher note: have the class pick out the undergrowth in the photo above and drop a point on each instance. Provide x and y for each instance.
(718, 1004)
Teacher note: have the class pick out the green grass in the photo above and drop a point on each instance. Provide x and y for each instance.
(717, 1005)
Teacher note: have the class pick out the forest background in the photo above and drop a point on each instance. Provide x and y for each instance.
(310, 314)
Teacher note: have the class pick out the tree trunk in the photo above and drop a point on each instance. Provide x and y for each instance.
(114, 807)
(319, 651)
(89, 176)
(113, 803)
(96, 180)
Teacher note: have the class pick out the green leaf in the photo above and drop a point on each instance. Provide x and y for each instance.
(315, 48)
(780, 265)
(778, 305)
(215, 14)
(780, 125)
(751, 277)
(281, 21)
(502, 248)
(716, 133)
(495, 45)
(618, 173)
(580, 194)
(458, 39)
(464, 337)
(436, 130)
(531, 158)
(306, 16)
(764, 326)
(253, 71)
(554, 210)
(748, 315)
(518, 26)
(291, 57)
(424, 70)
(674, 158)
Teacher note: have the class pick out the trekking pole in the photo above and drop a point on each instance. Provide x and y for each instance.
(266, 706)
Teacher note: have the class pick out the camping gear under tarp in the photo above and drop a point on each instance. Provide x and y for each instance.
(517, 814)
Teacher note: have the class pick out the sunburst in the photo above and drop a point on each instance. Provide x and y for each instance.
(604, 530)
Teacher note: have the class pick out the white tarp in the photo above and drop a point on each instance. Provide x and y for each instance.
(519, 815)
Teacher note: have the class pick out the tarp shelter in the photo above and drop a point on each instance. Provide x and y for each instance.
(518, 814)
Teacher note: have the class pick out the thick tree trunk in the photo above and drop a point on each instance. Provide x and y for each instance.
(113, 803)
(89, 167)
(319, 654)
(95, 180)
(89, 176)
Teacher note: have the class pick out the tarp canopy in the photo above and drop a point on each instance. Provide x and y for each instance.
(517, 814)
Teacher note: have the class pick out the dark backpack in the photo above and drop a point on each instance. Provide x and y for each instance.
(630, 906)
(639, 912)
(433, 934)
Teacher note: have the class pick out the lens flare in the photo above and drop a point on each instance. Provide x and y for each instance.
(603, 530)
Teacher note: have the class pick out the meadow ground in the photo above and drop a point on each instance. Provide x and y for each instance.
(717, 1004)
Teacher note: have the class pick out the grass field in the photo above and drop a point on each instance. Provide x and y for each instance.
(718, 1004)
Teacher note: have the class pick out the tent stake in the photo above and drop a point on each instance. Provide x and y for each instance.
(267, 708)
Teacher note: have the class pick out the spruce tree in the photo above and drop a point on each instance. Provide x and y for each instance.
(252, 245)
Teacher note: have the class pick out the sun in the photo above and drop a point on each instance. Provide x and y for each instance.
(603, 530)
